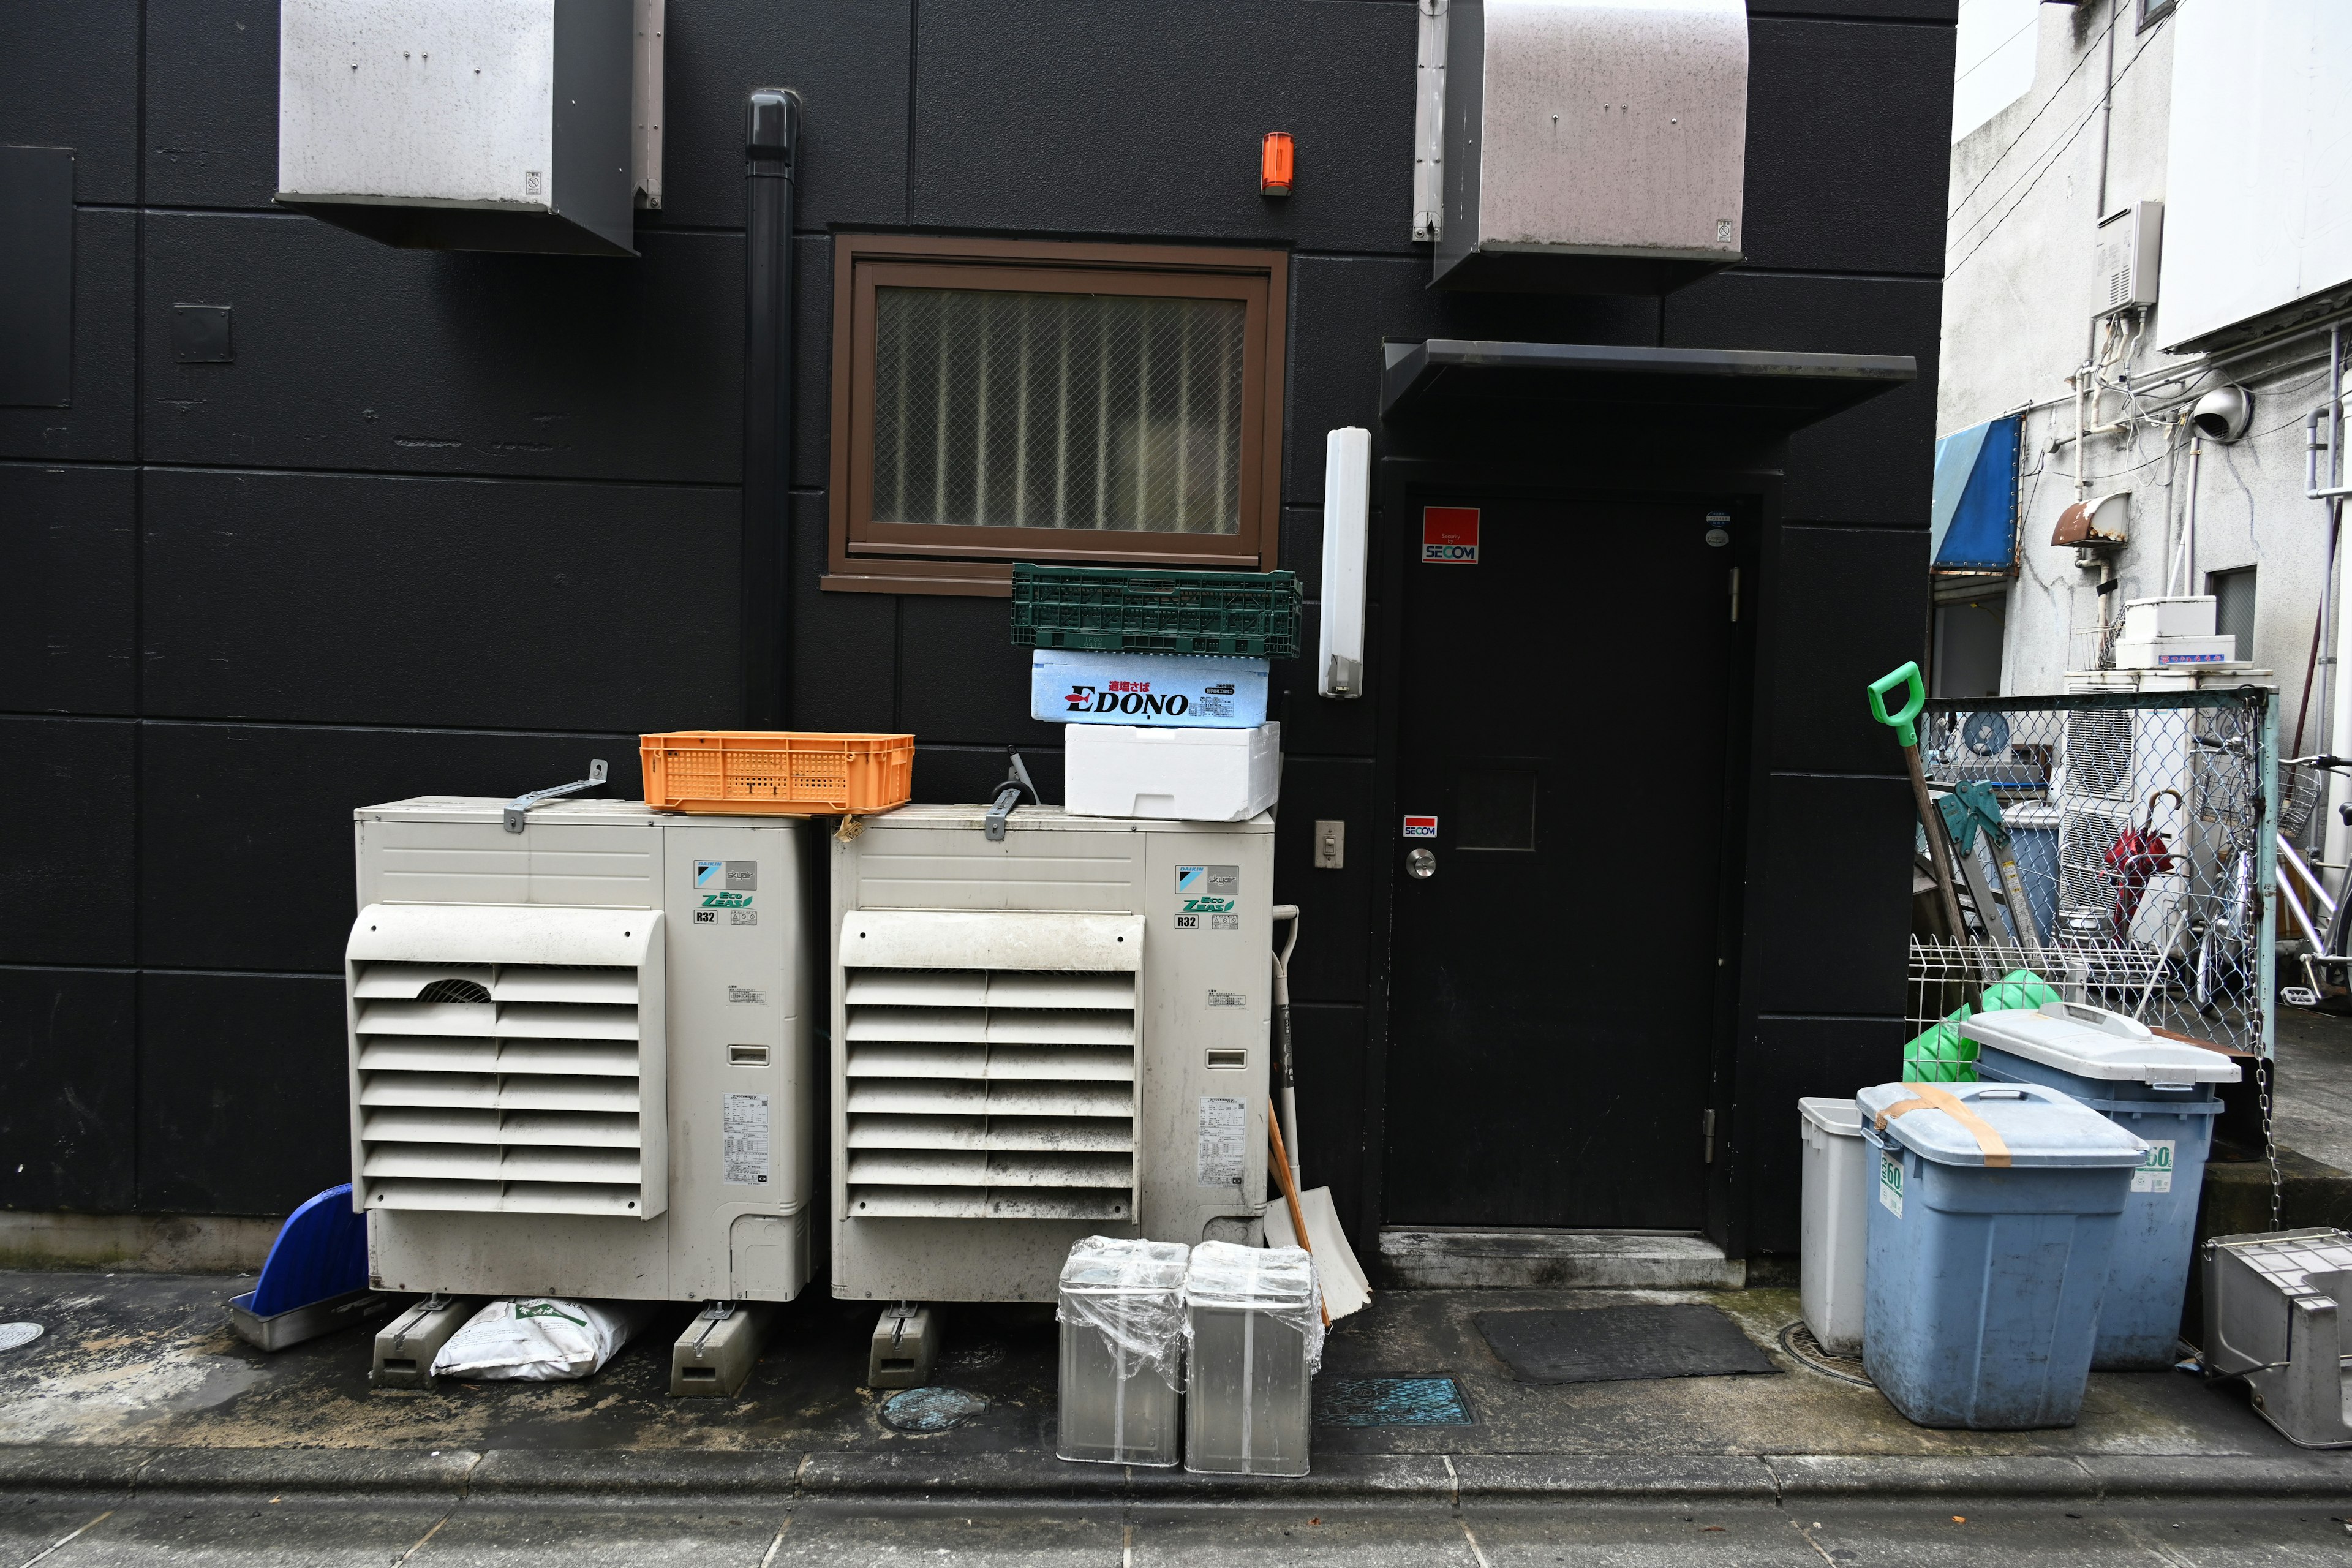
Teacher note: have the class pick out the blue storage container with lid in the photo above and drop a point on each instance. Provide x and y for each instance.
(2164, 1093)
(1992, 1219)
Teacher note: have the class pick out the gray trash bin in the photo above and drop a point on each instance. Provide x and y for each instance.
(1253, 1332)
(1121, 1308)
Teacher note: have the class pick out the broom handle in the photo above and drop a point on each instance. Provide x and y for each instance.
(1280, 1163)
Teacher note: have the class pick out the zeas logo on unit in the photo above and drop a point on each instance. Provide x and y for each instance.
(1210, 894)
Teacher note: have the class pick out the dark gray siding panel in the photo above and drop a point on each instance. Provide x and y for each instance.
(845, 653)
(351, 354)
(1829, 896)
(1332, 963)
(68, 1089)
(68, 573)
(965, 682)
(98, 427)
(501, 604)
(245, 830)
(212, 103)
(66, 849)
(1846, 606)
(1783, 1060)
(1140, 119)
(73, 81)
(243, 1104)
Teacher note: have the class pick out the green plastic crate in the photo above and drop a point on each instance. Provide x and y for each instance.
(1250, 614)
(1941, 1056)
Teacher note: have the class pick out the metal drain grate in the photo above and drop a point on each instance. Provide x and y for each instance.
(1391, 1402)
(1799, 1342)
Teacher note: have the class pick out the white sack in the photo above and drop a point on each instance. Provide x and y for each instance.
(539, 1339)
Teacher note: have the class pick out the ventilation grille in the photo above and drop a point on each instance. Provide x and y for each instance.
(506, 1088)
(2086, 884)
(2099, 753)
(990, 1093)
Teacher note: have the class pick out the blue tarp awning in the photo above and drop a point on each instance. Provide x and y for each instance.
(1975, 517)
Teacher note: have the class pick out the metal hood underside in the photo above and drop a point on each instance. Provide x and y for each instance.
(1745, 390)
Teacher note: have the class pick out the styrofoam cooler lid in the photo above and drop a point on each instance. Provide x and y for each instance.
(2035, 1127)
(1839, 1118)
(2092, 1042)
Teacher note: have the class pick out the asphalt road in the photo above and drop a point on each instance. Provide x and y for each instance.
(247, 1533)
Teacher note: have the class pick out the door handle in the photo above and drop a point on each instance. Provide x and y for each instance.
(1421, 863)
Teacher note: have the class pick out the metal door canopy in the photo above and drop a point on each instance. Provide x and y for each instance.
(520, 125)
(1592, 146)
(1740, 391)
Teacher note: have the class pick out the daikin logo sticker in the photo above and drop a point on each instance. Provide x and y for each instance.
(1208, 897)
(1449, 536)
(1421, 827)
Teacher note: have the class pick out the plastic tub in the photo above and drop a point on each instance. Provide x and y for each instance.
(2164, 1093)
(1836, 1223)
(1122, 1309)
(1988, 1252)
(776, 772)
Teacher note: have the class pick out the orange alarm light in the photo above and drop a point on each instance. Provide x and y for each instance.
(1274, 166)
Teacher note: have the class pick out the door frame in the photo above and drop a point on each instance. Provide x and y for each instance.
(1753, 489)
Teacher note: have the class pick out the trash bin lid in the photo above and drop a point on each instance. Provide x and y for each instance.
(2092, 1042)
(1117, 1265)
(1840, 1118)
(2029, 1126)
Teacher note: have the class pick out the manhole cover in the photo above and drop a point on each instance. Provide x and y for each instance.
(1389, 1402)
(1799, 1342)
(13, 1335)
(930, 1409)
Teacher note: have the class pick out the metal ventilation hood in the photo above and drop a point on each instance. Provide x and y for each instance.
(1738, 391)
(1589, 146)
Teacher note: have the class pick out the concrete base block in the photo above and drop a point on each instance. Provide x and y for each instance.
(142, 1243)
(906, 1348)
(714, 1356)
(1488, 1259)
(404, 1348)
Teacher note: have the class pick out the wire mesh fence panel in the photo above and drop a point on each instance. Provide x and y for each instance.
(2114, 848)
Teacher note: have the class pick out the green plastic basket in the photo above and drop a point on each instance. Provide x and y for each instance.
(1252, 615)
(1941, 1056)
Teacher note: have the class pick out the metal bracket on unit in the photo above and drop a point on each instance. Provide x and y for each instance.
(1429, 124)
(597, 773)
(1008, 796)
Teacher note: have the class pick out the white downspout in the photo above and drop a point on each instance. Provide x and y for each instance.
(2338, 846)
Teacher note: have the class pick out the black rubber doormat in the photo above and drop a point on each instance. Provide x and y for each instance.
(1622, 1344)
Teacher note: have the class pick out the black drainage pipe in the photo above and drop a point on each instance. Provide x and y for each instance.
(772, 137)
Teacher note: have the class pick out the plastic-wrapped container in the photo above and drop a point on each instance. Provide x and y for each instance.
(2163, 1092)
(1253, 1335)
(1836, 1221)
(1994, 1221)
(1121, 1308)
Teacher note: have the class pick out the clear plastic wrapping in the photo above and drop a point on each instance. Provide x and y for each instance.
(1131, 1293)
(1276, 1282)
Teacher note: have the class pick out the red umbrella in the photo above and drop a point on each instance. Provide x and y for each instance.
(2136, 858)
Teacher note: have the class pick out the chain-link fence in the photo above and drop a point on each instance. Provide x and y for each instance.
(2116, 848)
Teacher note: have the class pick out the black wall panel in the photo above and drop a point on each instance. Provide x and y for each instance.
(1829, 896)
(69, 589)
(66, 860)
(497, 603)
(1340, 308)
(351, 354)
(1874, 463)
(1849, 132)
(212, 103)
(1784, 1060)
(243, 1107)
(1846, 606)
(98, 427)
(1137, 118)
(845, 647)
(1322, 726)
(246, 853)
(68, 1089)
(1328, 1045)
(1332, 963)
(958, 775)
(1858, 10)
(964, 680)
(73, 81)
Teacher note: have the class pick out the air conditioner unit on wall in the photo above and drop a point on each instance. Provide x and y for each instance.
(2129, 248)
(1059, 1033)
(580, 1054)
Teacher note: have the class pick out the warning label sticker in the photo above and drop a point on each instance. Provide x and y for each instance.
(1421, 827)
(2154, 1171)
(1223, 1122)
(1449, 536)
(744, 1140)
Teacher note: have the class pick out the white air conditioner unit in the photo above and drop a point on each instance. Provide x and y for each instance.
(2129, 247)
(580, 1053)
(1058, 1033)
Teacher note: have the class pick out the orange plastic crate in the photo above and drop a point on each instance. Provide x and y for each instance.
(777, 773)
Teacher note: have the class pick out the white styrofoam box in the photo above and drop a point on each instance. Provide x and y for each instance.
(2177, 615)
(2162, 652)
(1155, 691)
(1184, 775)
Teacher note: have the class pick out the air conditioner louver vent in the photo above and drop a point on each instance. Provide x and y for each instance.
(510, 1086)
(978, 1092)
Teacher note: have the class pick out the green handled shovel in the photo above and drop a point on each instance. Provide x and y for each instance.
(1904, 723)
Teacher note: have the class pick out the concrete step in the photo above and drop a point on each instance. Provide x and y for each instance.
(1463, 1259)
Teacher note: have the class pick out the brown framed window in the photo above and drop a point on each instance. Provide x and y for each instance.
(997, 401)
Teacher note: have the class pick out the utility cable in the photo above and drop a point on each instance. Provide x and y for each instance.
(2048, 104)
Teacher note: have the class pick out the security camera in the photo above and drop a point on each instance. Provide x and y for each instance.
(2223, 413)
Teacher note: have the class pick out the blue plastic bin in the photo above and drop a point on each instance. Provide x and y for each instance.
(1984, 1279)
(2164, 1093)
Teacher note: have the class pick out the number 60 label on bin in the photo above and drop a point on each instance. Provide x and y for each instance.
(1890, 1182)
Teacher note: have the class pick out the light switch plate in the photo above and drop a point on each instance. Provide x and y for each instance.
(1330, 845)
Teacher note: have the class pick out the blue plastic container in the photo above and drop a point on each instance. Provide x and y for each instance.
(1984, 1281)
(2164, 1093)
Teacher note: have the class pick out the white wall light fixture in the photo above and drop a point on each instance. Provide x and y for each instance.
(1347, 525)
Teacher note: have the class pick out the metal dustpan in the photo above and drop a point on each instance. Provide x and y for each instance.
(1345, 1287)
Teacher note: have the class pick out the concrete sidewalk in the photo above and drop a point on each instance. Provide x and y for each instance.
(137, 1388)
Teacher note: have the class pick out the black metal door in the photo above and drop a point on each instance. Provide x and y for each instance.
(1565, 691)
